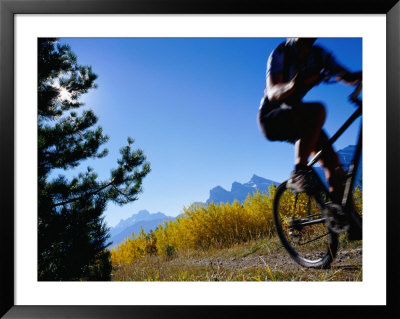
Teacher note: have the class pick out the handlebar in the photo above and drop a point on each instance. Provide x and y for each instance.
(353, 97)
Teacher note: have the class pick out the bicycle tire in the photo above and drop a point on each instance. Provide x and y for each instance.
(326, 252)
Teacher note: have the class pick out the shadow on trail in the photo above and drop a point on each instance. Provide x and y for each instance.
(346, 267)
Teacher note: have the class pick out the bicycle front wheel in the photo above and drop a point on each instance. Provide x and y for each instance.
(301, 227)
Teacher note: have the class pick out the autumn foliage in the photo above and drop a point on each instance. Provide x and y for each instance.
(203, 227)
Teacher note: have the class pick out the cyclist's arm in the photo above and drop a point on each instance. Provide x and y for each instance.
(351, 78)
(277, 89)
(342, 74)
(337, 70)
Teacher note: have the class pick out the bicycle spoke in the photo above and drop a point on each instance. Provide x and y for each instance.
(302, 227)
(315, 239)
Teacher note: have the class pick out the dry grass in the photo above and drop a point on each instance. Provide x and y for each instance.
(152, 269)
(219, 265)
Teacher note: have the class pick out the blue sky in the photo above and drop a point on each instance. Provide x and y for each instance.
(191, 105)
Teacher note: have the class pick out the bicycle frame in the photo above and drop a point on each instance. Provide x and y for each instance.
(351, 173)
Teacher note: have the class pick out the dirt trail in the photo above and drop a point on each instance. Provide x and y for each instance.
(346, 258)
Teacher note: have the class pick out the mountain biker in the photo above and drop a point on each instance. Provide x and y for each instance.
(293, 68)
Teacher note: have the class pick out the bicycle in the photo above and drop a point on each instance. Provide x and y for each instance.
(303, 220)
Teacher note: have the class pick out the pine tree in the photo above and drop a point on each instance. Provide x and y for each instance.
(72, 235)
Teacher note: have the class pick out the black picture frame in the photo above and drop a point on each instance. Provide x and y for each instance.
(8, 10)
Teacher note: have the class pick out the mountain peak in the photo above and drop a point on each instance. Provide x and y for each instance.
(218, 189)
(142, 213)
(218, 194)
(239, 191)
(257, 179)
(235, 184)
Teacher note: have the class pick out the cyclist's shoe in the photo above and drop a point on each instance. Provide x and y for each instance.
(303, 180)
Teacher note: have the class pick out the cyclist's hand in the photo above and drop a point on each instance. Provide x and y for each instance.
(352, 78)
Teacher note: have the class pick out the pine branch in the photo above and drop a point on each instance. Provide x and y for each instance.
(87, 194)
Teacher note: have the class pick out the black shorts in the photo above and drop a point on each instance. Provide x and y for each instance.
(276, 123)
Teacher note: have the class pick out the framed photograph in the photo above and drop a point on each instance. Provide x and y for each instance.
(365, 33)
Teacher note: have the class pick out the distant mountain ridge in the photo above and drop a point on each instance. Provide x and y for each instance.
(239, 191)
(142, 215)
(143, 219)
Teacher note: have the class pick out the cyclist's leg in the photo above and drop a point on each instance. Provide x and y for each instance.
(334, 171)
(307, 119)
